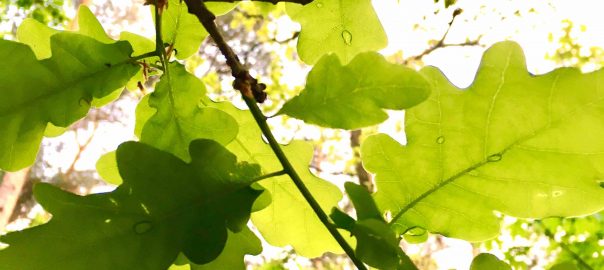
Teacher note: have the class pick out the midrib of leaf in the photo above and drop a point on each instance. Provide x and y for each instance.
(519, 141)
(171, 99)
(59, 89)
(177, 25)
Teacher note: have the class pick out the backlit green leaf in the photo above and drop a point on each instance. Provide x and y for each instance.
(288, 220)
(180, 115)
(526, 146)
(486, 261)
(164, 207)
(90, 26)
(108, 170)
(183, 30)
(355, 95)
(57, 90)
(344, 27)
(37, 36)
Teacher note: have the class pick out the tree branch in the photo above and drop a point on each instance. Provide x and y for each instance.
(244, 82)
(274, 2)
(251, 90)
(441, 43)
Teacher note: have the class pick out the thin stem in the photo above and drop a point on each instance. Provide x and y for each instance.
(159, 42)
(145, 55)
(266, 176)
(261, 121)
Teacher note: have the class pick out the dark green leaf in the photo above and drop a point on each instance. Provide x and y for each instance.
(164, 207)
(341, 219)
(237, 246)
(363, 202)
(377, 243)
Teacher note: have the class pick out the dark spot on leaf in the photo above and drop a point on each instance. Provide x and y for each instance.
(108, 64)
(142, 227)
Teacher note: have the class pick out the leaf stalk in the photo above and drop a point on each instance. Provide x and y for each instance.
(289, 169)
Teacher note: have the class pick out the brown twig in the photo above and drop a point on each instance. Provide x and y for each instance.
(244, 82)
(294, 36)
(441, 43)
(81, 148)
(362, 174)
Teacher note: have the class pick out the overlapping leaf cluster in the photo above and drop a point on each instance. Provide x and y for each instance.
(512, 143)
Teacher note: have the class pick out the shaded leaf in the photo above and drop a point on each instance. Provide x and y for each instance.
(164, 207)
(486, 261)
(355, 95)
(526, 146)
(57, 90)
(335, 27)
(237, 246)
(183, 30)
(377, 245)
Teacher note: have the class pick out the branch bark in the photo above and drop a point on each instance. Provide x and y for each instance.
(441, 43)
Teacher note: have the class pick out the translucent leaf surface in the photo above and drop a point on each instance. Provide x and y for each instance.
(355, 95)
(37, 35)
(288, 220)
(108, 170)
(90, 26)
(344, 27)
(526, 146)
(164, 207)
(180, 115)
(183, 30)
(57, 90)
